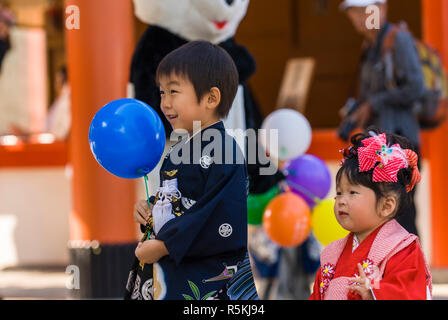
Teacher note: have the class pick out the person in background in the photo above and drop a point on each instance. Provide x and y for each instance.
(7, 19)
(58, 120)
(59, 117)
(391, 108)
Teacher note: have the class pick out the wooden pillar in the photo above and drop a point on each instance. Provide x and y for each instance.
(435, 33)
(98, 60)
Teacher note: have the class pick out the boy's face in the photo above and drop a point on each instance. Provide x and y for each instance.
(180, 104)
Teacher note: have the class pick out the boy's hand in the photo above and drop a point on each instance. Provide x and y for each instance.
(363, 289)
(150, 251)
(142, 212)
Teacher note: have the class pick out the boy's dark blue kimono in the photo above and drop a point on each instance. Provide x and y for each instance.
(207, 239)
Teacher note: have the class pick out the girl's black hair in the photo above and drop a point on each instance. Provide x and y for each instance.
(350, 168)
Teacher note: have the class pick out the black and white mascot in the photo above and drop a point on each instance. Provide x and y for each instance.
(173, 23)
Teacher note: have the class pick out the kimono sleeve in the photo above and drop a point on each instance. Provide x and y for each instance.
(217, 223)
(316, 288)
(404, 277)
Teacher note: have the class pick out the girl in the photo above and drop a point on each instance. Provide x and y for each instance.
(379, 259)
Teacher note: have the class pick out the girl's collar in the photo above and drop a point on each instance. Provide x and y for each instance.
(372, 234)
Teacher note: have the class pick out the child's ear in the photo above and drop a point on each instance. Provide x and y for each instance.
(214, 98)
(388, 206)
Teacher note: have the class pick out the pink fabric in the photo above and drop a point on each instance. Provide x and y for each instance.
(337, 290)
(391, 239)
(392, 159)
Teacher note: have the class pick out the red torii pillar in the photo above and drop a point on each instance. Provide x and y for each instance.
(98, 61)
(435, 33)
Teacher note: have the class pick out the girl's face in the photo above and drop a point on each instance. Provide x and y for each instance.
(356, 208)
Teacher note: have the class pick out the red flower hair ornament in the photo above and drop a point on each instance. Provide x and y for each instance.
(391, 160)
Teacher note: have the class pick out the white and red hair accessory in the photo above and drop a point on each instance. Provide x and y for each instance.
(412, 161)
(391, 160)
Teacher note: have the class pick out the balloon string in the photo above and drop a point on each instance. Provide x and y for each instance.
(147, 192)
(145, 177)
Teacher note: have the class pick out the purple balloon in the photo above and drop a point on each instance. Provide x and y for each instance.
(309, 177)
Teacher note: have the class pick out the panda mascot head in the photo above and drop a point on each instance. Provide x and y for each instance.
(210, 20)
(173, 23)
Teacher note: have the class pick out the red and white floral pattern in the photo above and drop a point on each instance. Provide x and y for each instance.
(327, 273)
(368, 266)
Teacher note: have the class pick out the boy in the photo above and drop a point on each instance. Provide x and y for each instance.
(200, 210)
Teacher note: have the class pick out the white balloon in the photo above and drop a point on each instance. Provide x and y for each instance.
(286, 135)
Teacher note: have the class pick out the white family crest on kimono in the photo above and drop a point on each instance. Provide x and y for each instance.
(205, 161)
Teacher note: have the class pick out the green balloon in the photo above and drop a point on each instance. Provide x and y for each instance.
(257, 203)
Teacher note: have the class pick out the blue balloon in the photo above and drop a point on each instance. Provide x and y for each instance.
(127, 138)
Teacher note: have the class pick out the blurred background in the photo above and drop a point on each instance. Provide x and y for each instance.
(50, 220)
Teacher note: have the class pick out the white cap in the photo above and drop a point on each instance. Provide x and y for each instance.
(359, 3)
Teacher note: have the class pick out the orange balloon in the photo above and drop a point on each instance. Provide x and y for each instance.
(287, 220)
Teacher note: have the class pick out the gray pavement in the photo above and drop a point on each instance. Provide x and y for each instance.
(51, 283)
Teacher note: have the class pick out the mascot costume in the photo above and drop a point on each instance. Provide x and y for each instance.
(173, 23)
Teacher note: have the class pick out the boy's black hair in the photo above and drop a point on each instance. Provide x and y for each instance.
(350, 168)
(206, 66)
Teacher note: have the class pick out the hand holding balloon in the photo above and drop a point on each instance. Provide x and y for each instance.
(142, 212)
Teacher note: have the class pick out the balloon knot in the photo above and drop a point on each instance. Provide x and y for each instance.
(144, 171)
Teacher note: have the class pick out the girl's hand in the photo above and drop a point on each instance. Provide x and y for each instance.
(363, 289)
(142, 212)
